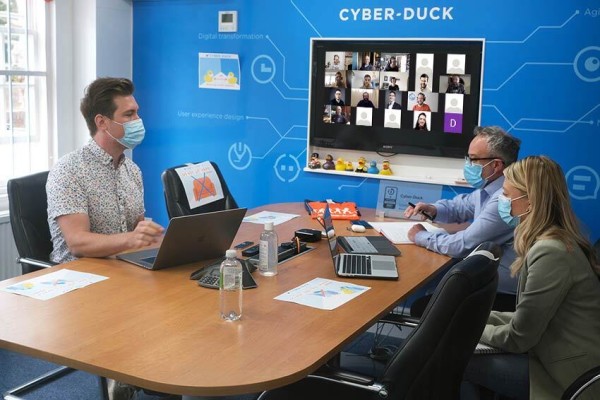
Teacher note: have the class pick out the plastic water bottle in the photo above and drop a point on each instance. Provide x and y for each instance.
(230, 287)
(267, 252)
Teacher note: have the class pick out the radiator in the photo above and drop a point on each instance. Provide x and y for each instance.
(8, 251)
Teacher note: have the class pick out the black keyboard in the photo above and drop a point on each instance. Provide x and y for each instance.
(357, 264)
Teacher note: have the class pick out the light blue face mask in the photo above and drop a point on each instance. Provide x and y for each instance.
(505, 209)
(134, 133)
(473, 172)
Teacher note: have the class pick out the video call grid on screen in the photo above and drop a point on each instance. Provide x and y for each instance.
(420, 96)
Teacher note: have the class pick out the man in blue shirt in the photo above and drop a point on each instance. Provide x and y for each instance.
(490, 151)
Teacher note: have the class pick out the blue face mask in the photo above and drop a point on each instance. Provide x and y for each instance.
(134, 133)
(473, 176)
(505, 209)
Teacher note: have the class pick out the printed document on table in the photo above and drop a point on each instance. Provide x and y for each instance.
(270, 216)
(397, 232)
(325, 294)
(53, 284)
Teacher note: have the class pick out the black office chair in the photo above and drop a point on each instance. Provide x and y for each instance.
(590, 378)
(27, 203)
(28, 208)
(176, 199)
(430, 362)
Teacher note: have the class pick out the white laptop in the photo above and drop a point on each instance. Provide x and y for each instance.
(357, 265)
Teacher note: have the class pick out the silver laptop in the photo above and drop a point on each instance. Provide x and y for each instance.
(357, 265)
(379, 245)
(191, 238)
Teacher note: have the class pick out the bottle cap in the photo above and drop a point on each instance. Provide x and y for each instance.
(268, 226)
(231, 253)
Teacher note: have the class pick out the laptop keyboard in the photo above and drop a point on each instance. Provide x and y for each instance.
(360, 244)
(149, 260)
(357, 264)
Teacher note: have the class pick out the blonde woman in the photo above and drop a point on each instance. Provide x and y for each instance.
(554, 334)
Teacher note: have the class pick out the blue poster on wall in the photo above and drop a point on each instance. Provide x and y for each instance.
(541, 78)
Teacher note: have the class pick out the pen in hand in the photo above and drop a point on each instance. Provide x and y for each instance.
(426, 215)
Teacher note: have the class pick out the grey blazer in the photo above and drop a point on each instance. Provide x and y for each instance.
(557, 319)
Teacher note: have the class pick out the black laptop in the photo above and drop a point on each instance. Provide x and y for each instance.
(191, 238)
(357, 265)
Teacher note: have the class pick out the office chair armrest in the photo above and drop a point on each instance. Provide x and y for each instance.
(34, 262)
(399, 319)
(320, 386)
(352, 379)
(333, 373)
(581, 383)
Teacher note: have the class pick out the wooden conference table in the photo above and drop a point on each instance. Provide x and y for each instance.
(161, 331)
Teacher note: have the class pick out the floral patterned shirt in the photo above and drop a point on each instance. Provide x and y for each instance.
(86, 182)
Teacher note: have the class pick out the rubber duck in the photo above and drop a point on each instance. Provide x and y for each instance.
(231, 78)
(362, 165)
(314, 161)
(328, 164)
(349, 166)
(385, 168)
(373, 168)
(340, 165)
(208, 77)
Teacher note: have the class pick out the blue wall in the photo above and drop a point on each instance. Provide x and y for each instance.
(541, 82)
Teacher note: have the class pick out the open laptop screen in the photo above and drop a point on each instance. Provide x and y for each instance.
(327, 222)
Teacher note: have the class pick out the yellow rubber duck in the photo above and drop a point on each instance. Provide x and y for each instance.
(231, 78)
(340, 165)
(208, 77)
(349, 166)
(385, 168)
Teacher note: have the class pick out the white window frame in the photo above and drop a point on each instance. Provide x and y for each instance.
(42, 128)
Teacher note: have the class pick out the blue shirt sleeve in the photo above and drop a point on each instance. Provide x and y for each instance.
(457, 210)
(488, 226)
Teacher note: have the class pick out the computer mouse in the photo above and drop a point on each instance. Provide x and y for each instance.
(358, 228)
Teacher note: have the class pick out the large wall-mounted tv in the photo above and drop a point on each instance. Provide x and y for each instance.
(395, 96)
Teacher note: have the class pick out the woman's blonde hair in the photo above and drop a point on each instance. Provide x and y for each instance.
(550, 215)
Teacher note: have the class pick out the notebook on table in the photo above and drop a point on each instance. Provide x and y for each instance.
(357, 265)
(191, 238)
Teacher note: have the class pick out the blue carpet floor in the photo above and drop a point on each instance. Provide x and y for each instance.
(16, 369)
